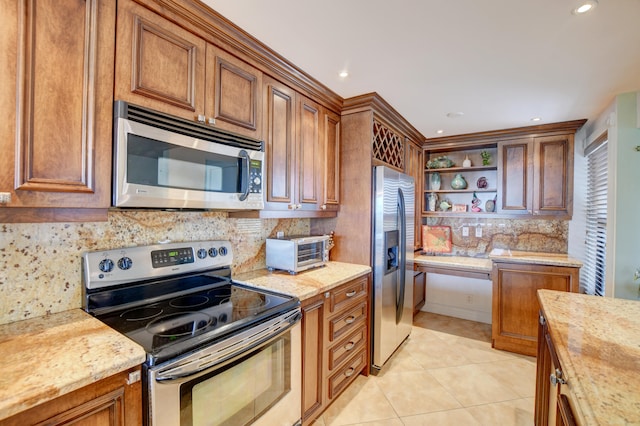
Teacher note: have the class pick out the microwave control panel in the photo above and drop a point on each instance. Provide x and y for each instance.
(255, 177)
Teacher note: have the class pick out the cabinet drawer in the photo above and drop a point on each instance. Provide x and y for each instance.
(341, 297)
(344, 323)
(347, 374)
(348, 346)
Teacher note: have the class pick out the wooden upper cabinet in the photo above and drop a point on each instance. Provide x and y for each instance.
(280, 124)
(302, 148)
(163, 66)
(515, 176)
(414, 167)
(331, 147)
(536, 176)
(57, 85)
(553, 175)
(159, 65)
(233, 93)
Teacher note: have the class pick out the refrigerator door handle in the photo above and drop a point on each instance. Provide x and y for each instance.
(402, 256)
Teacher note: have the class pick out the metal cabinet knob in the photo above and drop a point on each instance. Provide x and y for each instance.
(323, 207)
(349, 346)
(350, 372)
(351, 293)
(350, 320)
(5, 197)
(556, 377)
(211, 121)
(201, 118)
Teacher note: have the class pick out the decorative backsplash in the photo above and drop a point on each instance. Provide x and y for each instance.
(550, 236)
(40, 264)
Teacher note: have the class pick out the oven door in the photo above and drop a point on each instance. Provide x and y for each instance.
(154, 167)
(258, 383)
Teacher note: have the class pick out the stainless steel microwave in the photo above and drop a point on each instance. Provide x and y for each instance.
(166, 162)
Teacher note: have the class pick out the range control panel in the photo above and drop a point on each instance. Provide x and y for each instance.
(120, 266)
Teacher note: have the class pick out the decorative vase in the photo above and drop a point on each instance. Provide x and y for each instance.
(466, 162)
(435, 181)
(490, 205)
(458, 182)
(433, 200)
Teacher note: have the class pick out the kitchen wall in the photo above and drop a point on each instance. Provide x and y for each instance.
(40, 264)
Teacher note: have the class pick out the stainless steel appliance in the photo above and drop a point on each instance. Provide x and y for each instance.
(161, 161)
(296, 254)
(218, 352)
(392, 307)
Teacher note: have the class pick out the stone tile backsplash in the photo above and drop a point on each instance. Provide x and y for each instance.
(550, 236)
(40, 264)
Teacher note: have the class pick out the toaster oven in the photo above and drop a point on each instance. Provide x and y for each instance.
(297, 253)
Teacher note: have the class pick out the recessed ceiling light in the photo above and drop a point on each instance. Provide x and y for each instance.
(455, 114)
(344, 74)
(536, 119)
(584, 7)
(440, 131)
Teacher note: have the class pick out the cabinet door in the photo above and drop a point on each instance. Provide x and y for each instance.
(419, 294)
(515, 177)
(312, 358)
(280, 125)
(515, 303)
(553, 175)
(159, 64)
(414, 167)
(233, 93)
(331, 173)
(56, 81)
(108, 402)
(309, 155)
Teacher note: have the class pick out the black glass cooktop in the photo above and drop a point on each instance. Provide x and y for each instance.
(199, 310)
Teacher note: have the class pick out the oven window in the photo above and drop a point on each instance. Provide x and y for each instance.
(240, 392)
(154, 163)
(310, 253)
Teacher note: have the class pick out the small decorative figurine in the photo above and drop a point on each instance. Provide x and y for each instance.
(466, 162)
(482, 183)
(475, 203)
(444, 205)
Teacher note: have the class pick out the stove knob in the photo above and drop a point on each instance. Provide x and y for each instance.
(106, 265)
(213, 252)
(202, 253)
(223, 251)
(125, 263)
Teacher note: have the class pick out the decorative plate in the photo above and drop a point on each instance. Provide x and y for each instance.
(436, 239)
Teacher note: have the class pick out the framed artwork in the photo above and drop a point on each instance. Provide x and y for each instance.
(436, 239)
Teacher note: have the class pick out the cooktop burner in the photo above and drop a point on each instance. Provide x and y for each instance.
(177, 307)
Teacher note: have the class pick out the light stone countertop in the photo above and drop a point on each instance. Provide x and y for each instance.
(597, 340)
(305, 284)
(538, 258)
(45, 357)
(462, 262)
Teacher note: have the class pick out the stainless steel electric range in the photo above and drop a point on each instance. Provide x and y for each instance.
(218, 351)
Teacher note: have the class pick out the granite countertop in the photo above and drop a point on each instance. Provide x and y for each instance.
(597, 340)
(45, 357)
(462, 262)
(538, 258)
(305, 284)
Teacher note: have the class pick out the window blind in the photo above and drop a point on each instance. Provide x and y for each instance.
(593, 276)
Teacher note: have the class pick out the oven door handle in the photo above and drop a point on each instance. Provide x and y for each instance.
(218, 357)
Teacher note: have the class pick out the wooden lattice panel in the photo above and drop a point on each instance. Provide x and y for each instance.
(387, 146)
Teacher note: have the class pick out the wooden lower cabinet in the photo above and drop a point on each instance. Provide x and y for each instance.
(515, 302)
(108, 402)
(553, 398)
(335, 344)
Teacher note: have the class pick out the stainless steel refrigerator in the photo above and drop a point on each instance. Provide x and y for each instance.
(392, 308)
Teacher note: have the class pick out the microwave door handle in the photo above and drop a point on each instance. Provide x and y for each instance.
(244, 179)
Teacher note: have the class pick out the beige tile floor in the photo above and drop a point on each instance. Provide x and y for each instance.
(445, 373)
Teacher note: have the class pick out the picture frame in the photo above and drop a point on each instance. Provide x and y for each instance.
(436, 239)
(459, 208)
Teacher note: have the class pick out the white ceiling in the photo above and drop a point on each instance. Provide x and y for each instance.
(500, 62)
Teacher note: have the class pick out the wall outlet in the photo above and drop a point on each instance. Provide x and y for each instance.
(465, 231)
(478, 232)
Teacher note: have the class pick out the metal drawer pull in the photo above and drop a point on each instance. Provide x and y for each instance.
(349, 372)
(351, 293)
(349, 346)
(350, 320)
(556, 378)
